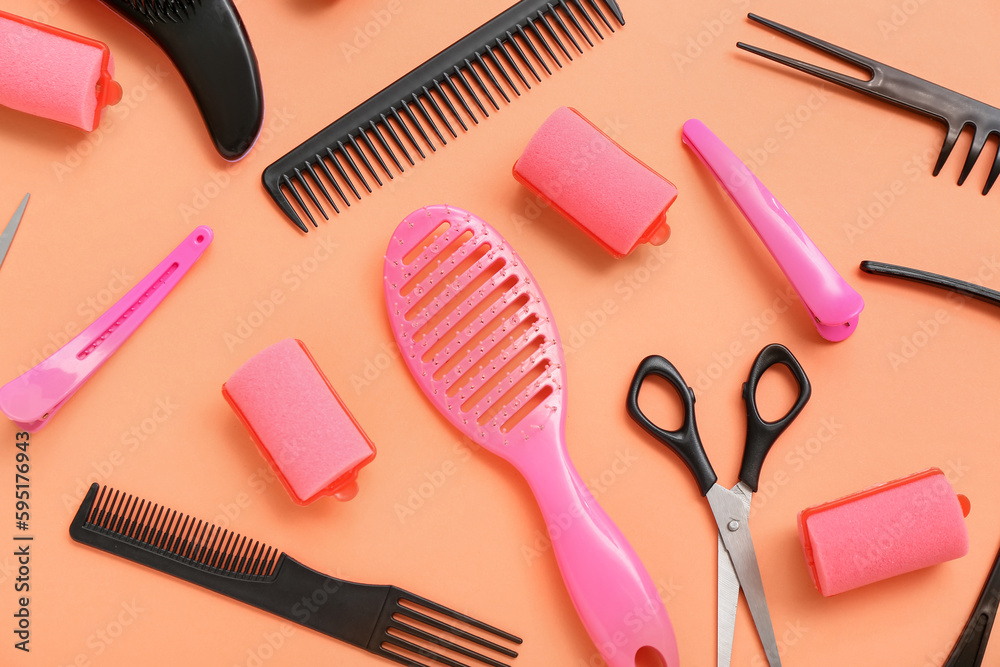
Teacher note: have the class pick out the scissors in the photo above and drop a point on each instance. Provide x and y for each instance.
(7, 236)
(738, 566)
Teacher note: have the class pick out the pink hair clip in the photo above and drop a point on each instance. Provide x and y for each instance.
(31, 399)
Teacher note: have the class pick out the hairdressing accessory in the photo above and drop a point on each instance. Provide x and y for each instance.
(31, 399)
(383, 127)
(971, 290)
(55, 74)
(299, 423)
(738, 568)
(7, 236)
(479, 339)
(208, 43)
(883, 531)
(596, 184)
(971, 645)
(833, 305)
(384, 620)
(889, 84)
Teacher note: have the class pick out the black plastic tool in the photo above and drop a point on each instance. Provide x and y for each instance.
(208, 43)
(737, 559)
(889, 84)
(933, 279)
(382, 127)
(685, 441)
(383, 620)
(971, 646)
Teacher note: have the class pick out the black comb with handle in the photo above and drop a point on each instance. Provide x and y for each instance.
(208, 43)
(383, 620)
(401, 118)
(897, 87)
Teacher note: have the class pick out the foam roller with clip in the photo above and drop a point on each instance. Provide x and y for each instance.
(55, 74)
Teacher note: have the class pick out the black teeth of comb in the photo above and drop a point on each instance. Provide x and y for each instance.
(502, 47)
(534, 51)
(109, 514)
(554, 35)
(994, 172)
(493, 58)
(421, 102)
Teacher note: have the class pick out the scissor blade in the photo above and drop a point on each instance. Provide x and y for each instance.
(729, 598)
(7, 236)
(729, 588)
(732, 517)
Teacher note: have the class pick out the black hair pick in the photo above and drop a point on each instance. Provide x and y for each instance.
(905, 90)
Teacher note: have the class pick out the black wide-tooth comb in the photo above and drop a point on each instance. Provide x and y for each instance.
(343, 157)
(208, 43)
(383, 620)
(902, 89)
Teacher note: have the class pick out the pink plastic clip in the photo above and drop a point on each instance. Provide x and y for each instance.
(833, 304)
(31, 399)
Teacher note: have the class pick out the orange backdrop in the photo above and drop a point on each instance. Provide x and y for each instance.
(915, 387)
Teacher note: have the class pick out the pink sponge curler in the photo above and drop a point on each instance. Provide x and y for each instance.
(55, 74)
(595, 183)
(889, 529)
(299, 423)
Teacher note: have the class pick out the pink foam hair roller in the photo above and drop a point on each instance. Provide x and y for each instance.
(596, 184)
(31, 399)
(833, 305)
(55, 74)
(300, 424)
(481, 342)
(884, 531)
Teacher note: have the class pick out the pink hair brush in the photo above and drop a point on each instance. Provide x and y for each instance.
(478, 337)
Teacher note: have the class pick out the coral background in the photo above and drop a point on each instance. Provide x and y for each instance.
(915, 387)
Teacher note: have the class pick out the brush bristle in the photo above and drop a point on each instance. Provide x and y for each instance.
(163, 10)
(473, 325)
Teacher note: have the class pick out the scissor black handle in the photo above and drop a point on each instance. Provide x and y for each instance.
(685, 441)
(761, 434)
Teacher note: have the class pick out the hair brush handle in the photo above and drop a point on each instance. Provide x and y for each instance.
(613, 594)
(209, 45)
